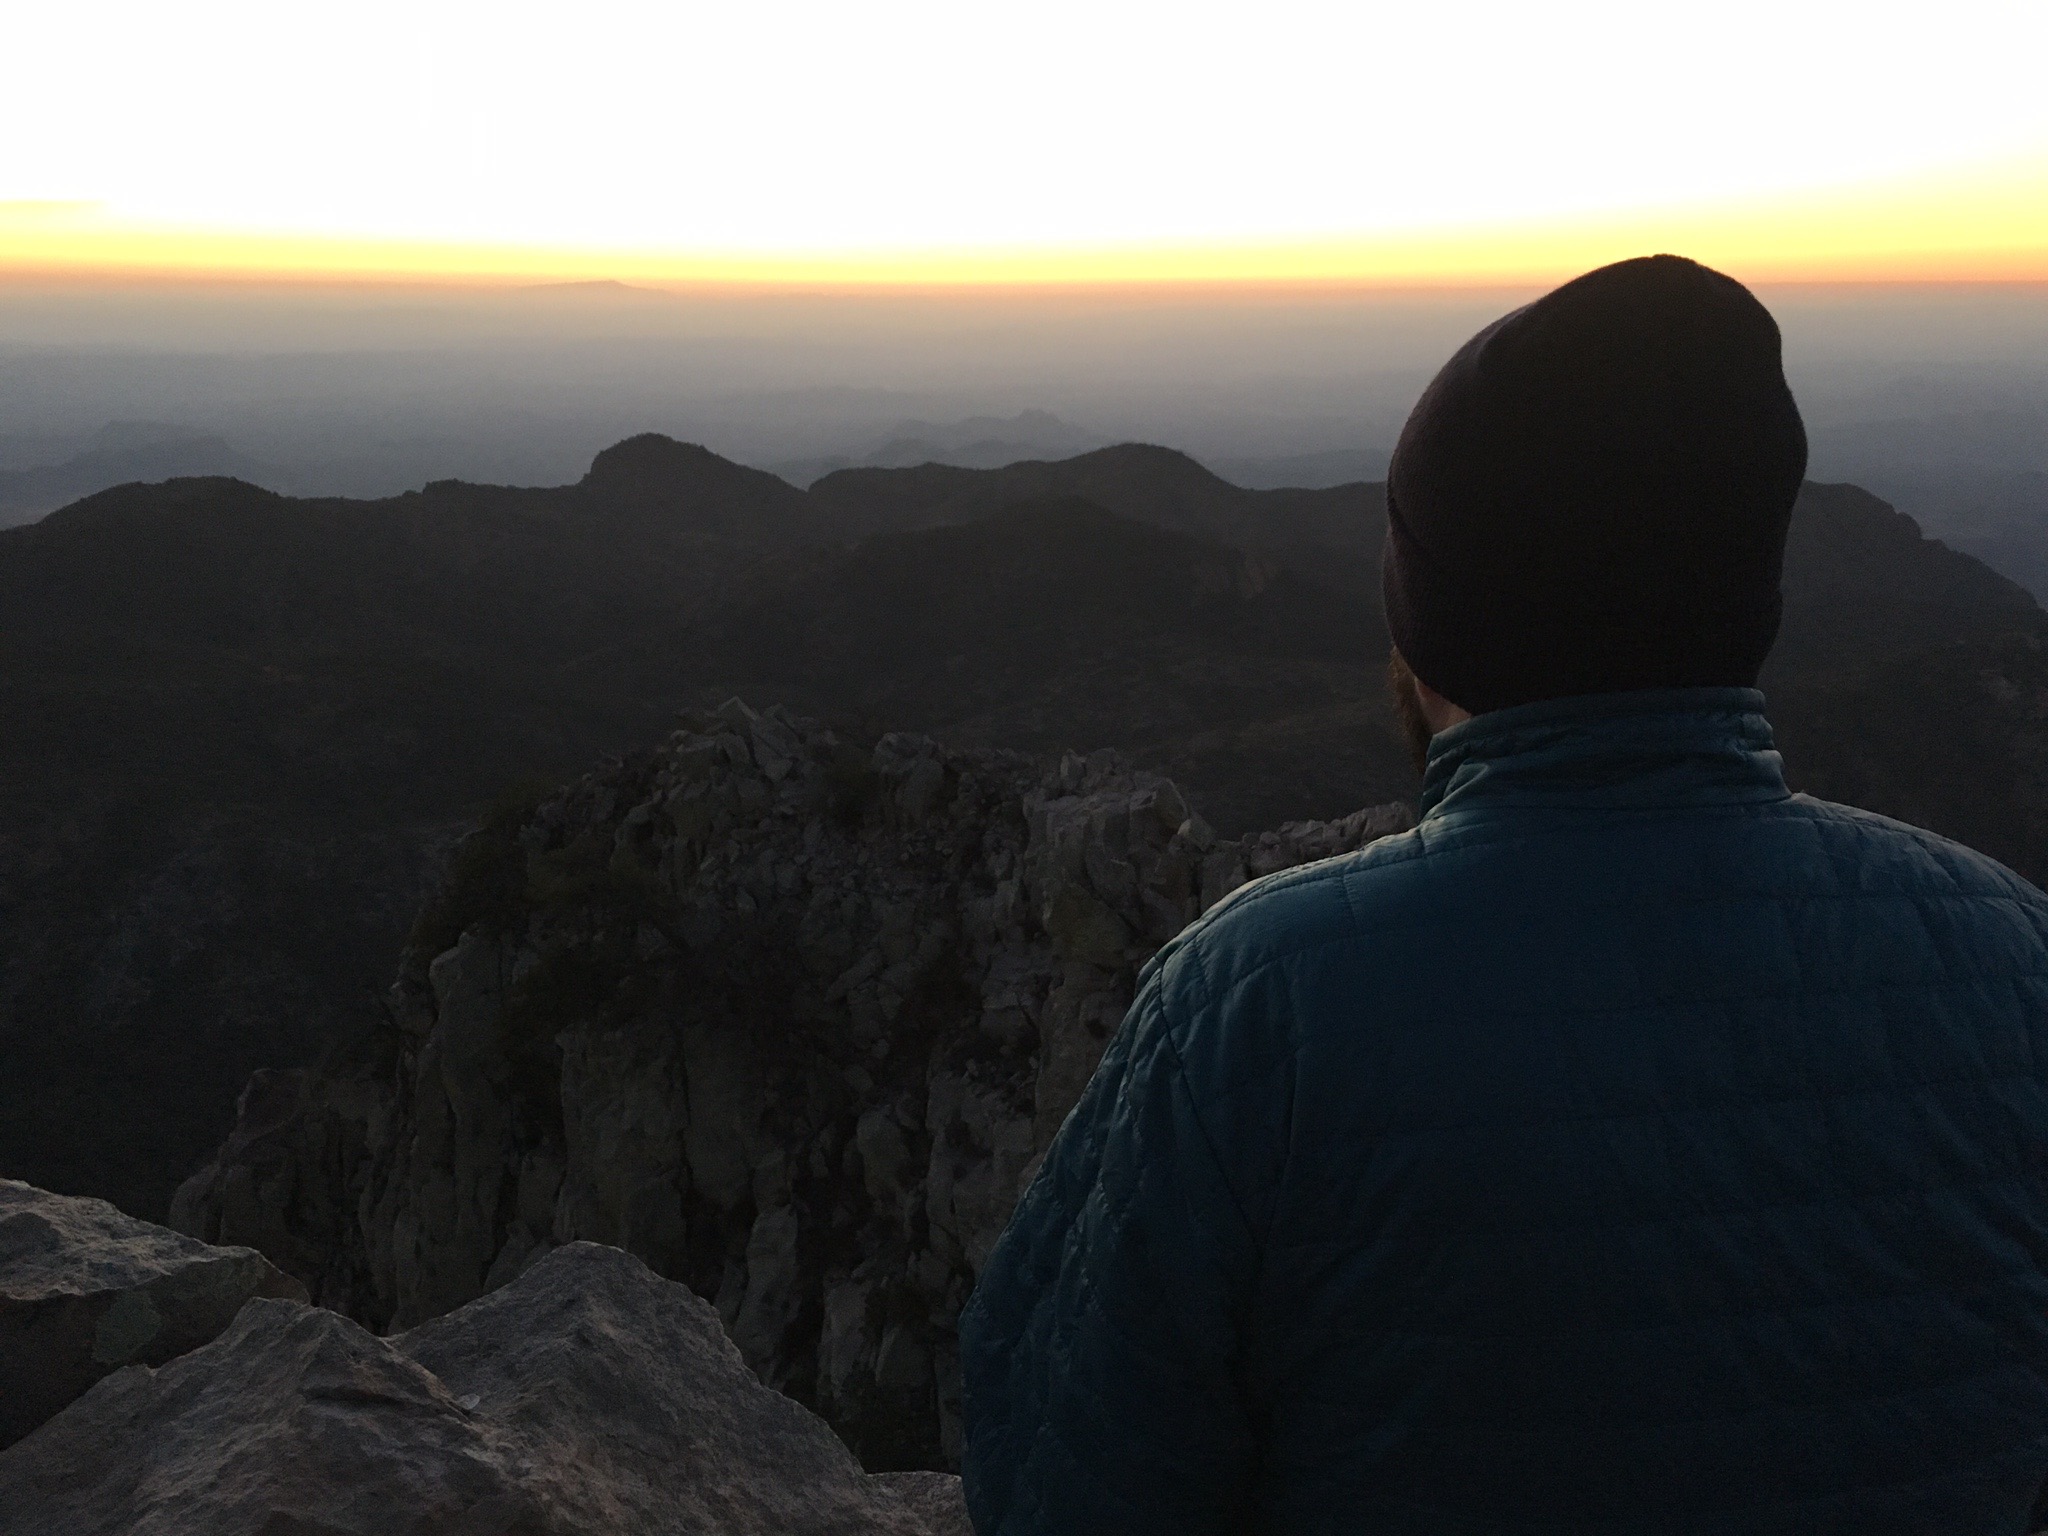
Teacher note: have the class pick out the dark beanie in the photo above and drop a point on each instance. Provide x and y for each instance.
(1592, 496)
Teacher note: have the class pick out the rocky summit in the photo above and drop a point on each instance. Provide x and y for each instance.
(788, 1015)
(85, 1290)
(588, 1397)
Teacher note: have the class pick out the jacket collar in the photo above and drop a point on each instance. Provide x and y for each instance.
(1658, 748)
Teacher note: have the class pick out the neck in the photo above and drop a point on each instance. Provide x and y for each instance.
(1676, 746)
(1439, 711)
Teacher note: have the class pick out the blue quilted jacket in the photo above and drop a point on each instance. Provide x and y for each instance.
(1633, 1147)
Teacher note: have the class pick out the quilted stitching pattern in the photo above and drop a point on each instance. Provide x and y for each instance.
(1633, 1147)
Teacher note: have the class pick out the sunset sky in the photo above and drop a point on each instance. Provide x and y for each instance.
(897, 142)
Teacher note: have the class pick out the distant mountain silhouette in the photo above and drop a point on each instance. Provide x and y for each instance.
(2003, 521)
(117, 454)
(975, 442)
(1998, 515)
(1975, 478)
(1161, 486)
(242, 725)
(1335, 466)
(678, 490)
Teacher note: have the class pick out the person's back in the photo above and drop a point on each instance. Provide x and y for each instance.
(1632, 1147)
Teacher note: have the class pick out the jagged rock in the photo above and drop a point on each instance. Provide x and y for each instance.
(588, 1396)
(85, 1290)
(790, 1017)
(932, 1496)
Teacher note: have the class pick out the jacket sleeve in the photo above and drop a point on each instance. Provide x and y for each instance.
(1100, 1349)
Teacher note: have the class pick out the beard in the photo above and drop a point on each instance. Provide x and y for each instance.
(1408, 706)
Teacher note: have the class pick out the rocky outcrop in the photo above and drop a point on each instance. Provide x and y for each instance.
(590, 1396)
(85, 1290)
(791, 1017)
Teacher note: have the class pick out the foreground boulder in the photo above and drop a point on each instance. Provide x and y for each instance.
(85, 1290)
(789, 1015)
(589, 1396)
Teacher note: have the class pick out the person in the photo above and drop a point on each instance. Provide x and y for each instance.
(1634, 1146)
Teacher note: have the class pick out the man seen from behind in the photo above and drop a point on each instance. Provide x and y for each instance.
(1634, 1146)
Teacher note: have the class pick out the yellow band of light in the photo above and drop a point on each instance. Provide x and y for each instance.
(1991, 225)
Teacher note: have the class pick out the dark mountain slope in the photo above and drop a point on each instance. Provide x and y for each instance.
(1863, 583)
(113, 460)
(1056, 622)
(520, 561)
(651, 481)
(1154, 485)
(1157, 485)
(1912, 679)
(240, 725)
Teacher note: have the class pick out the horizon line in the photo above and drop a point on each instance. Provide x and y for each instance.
(1959, 230)
(474, 283)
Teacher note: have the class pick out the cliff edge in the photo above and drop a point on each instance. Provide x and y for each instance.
(791, 1017)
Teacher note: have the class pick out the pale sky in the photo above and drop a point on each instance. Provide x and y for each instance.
(742, 133)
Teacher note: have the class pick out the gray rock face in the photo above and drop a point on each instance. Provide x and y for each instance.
(790, 1017)
(589, 1396)
(85, 1290)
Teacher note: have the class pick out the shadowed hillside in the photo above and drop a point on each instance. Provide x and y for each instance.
(242, 726)
(1331, 533)
(1056, 622)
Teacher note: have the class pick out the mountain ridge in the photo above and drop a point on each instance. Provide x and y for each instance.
(246, 726)
(114, 456)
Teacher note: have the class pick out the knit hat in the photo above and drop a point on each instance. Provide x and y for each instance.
(1592, 496)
